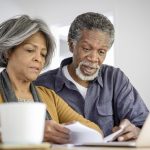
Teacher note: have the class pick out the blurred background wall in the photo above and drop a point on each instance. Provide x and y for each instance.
(131, 19)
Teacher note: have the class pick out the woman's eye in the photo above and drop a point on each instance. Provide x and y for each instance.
(30, 50)
(43, 55)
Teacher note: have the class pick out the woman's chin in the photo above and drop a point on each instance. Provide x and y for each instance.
(33, 78)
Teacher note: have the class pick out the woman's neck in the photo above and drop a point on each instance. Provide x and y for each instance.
(20, 87)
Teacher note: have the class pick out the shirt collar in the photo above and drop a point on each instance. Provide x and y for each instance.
(99, 78)
(60, 77)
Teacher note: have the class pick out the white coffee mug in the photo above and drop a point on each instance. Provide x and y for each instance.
(22, 123)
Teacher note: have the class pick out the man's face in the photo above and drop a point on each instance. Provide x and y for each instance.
(89, 53)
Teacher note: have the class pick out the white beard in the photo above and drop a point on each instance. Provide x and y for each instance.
(84, 77)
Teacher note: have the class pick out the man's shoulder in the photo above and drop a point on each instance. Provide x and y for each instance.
(48, 74)
(115, 74)
(109, 68)
(47, 79)
(108, 71)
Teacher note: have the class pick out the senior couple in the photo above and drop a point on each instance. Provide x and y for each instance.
(82, 87)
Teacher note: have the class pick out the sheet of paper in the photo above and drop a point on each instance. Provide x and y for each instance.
(113, 136)
(81, 134)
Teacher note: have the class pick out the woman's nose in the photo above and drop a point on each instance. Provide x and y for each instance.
(38, 57)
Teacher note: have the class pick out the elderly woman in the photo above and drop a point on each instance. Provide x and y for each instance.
(26, 46)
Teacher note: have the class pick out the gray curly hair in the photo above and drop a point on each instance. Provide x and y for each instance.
(90, 21)
(16, 30)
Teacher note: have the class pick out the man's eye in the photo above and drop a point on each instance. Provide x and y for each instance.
(86, 49)
(102, 52)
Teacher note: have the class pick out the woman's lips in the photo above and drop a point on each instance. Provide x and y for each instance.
(35, 69)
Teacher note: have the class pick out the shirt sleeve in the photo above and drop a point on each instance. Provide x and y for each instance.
(127, 101)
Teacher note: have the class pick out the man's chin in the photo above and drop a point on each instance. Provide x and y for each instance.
(85, 74)
(86, 77)
(89, 74)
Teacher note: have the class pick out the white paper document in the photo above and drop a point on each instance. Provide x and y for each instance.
(81, 134)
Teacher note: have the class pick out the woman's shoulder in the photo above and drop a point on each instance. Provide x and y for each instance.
(1, 100)
(45, 91)
(42, 88)
(49, 96)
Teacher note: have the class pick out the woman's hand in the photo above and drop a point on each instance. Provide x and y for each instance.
(56, 133)
(130, 131)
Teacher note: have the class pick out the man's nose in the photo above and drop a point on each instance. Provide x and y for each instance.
(93, 56)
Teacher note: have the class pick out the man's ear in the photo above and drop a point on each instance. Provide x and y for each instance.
(71, 45)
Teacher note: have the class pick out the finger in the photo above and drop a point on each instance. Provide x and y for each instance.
(54, 129)
(126, 137)
(116, 128)
(129, 128)
(56, 140)
(52, 125)
(133, 129)
(53, 137)
(54, 132)
(124, 123)
(62, 129)
(60, 134)
(50, 137)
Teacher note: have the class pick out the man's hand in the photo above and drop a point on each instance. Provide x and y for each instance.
(56, 133)
(130, 131)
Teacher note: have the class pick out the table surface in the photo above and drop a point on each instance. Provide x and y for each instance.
(47, 146)
(70, 147)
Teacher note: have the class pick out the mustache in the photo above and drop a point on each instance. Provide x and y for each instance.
(89, 64)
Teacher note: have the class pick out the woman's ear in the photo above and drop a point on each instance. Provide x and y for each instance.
(8, 54)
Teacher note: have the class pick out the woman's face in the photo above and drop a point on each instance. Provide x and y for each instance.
(28, 59)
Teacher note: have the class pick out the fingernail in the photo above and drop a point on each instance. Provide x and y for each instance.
(120, 138)
(122, 126)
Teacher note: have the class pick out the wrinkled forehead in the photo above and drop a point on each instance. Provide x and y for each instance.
(93, 36)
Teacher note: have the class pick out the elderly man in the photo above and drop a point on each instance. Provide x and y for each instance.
(101, 93)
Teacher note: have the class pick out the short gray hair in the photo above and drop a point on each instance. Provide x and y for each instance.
(90, 21)
(16, 30)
